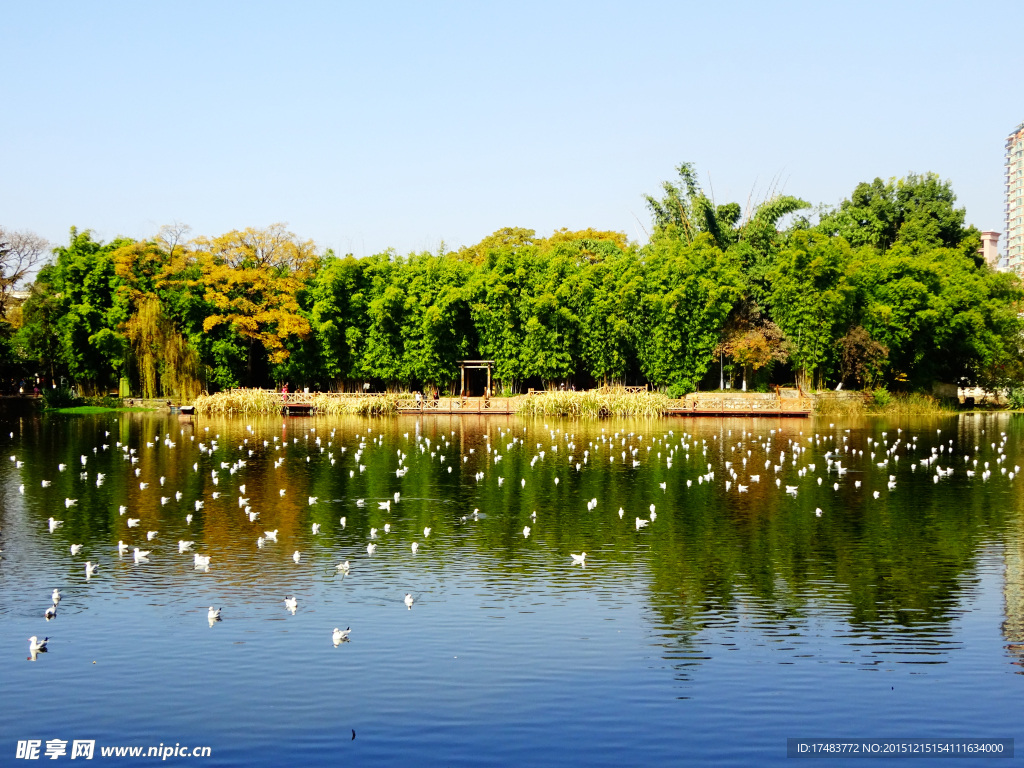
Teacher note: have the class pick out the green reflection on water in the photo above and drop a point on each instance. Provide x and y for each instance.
(896, 565)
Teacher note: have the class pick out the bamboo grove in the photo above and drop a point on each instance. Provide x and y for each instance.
(885, 289)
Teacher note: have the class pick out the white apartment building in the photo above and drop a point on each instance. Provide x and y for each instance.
(1014, 208)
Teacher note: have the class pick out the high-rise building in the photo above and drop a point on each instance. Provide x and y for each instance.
(1014, 260)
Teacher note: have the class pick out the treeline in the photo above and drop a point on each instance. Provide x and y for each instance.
(885, 289)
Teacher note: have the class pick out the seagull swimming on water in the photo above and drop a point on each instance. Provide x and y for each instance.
(340, 635)
(408, 601)
(291, 604)
(90, 569)
(51, 612)
(344, 567)
(297, 556)
(213, 614)
(140, 556)
(35, 645)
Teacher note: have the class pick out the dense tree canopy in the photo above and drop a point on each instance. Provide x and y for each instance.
(886, 288)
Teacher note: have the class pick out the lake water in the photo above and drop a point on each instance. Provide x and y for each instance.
(731, 622)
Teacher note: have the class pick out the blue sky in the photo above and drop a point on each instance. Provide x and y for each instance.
(372, 125)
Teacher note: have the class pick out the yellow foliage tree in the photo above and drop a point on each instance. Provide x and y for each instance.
(251, 278)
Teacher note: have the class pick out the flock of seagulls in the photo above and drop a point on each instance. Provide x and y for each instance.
(742, 462)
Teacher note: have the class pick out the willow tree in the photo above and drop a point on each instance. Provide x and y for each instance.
(166, 363)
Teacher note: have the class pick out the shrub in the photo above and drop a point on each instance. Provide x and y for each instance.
(61, 397)
(1016, 398)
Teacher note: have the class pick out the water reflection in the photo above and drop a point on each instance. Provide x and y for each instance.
(447, 516)
(898, 565)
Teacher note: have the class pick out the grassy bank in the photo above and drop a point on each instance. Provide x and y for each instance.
(884, 403)
(594, 405)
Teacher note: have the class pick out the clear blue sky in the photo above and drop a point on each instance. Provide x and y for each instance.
(369, 125)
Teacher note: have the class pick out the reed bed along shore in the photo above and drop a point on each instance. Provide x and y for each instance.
(253, 401)
(594, 405)
(372, 405)
(238, 401)
(884, 403)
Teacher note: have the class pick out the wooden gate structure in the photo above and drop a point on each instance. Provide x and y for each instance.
(465, 365)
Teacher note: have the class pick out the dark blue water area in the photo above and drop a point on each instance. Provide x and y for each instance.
(707, 638)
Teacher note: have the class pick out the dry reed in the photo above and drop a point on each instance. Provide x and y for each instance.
(367, 405)
(884, 403)
(594, 405)
(253, 401)
(238, 401)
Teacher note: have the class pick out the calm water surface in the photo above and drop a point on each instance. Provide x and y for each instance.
(732, 621)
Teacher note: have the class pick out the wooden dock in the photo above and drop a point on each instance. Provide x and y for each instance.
(301, 403)
(497, 405)
(780, 403)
